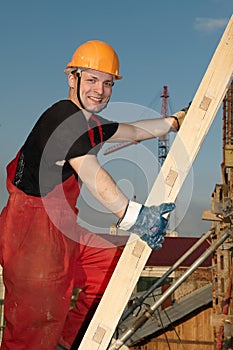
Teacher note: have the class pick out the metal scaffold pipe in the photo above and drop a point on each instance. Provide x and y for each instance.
(150, 310)
(138, 301)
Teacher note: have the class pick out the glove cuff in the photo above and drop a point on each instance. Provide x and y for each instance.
(179, 117)
(130, 216)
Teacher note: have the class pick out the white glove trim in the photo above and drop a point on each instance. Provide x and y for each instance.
(130, 216)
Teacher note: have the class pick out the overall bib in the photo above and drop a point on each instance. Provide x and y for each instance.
(43, 259)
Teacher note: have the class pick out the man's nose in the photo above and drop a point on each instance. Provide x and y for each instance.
(99, 87)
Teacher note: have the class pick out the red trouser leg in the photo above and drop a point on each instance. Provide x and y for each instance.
(38, 265)
(94, 268)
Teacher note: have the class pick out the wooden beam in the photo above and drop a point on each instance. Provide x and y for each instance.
(218, 320)
(175, 168)
(210, 216)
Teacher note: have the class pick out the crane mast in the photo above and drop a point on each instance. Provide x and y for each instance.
(163, 142)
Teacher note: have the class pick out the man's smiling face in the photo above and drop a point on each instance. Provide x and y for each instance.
(95, 89)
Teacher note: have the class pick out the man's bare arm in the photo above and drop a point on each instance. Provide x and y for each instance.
(144, 129)
(150, 128)
(100, 183)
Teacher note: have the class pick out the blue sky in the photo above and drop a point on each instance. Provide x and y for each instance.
(158, 42)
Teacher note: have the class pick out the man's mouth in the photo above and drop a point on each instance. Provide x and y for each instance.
(98, 100)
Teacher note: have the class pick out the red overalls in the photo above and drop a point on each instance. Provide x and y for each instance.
(41, 265)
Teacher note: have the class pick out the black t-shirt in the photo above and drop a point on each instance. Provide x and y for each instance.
(61, 133)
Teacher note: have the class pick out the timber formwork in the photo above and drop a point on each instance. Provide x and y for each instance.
(222, 199)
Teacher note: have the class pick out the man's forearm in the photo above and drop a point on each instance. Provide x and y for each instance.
(151, 128)
(106, 191)
(100, 184)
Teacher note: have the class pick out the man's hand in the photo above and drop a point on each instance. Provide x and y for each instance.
(150, 224)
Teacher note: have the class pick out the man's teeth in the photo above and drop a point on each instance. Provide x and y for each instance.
(97, 99)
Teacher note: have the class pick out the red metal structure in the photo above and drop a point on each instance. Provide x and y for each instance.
(163, 142)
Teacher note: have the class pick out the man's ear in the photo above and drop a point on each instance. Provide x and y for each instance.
(71, 80)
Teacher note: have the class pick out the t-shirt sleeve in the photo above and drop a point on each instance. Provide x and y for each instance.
(83, 145)
(63, 133)
(69, 140)
(108, 127)
(62, 128)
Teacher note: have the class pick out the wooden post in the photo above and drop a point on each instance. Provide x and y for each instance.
(175, 168)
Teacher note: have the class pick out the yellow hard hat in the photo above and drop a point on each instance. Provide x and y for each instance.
(97, 55)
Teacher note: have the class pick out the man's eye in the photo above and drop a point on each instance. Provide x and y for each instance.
(92, 81)
(108, 83)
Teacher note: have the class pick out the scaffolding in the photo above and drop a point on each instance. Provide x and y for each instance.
(222, 203)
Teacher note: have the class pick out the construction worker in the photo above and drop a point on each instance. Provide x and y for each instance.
(44, 252)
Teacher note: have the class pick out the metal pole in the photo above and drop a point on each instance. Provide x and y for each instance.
(138, 301)
(2, 293)
(150, 311)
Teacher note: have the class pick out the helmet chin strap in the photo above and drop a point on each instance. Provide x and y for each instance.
(79, 96)
(78, 89)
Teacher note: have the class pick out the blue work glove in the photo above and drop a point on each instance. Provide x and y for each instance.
(147, 222)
